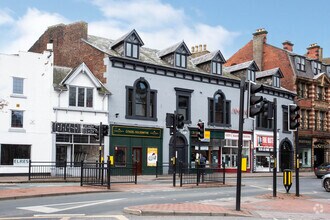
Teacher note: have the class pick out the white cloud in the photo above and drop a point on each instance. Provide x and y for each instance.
(160, 25)
(27, 29)
(5, 17)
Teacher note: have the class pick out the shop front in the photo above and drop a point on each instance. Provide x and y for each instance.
(221, 147)
(305, 152)
(136, 145)
(321, 152)
(262, 153)
(76, 143)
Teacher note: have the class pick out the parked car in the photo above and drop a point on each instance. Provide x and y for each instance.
(326, 182)
(321, 170)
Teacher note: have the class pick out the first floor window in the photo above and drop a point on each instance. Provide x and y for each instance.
(18, 85)
(80, 97)
(219, 110)
(120, 156)
(16, 119)
(9, 152)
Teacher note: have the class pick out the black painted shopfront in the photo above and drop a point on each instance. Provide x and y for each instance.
(132, 144)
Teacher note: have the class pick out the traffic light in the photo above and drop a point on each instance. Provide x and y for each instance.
(105, 130)
(293, 117)
(96, 132)
(201, 130)
(179, 121)
(253, 100)
(268, 109)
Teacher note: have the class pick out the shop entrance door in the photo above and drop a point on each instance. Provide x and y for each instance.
(61, 152)
(318, 156)
(137, 157)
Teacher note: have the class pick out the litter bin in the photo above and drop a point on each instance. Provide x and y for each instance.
(287, 179)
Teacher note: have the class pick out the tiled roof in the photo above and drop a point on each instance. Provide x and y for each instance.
(270, 72)
(237, 67)
(147, 55)
(170, 49)
(207, 57)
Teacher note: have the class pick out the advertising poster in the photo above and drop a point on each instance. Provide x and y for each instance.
(152, 156)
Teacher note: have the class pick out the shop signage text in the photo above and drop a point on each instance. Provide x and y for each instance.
(72, 128)
(20, 162)
(136, 132)
(264, 141)
(234, 136)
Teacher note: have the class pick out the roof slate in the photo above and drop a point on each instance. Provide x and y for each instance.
(271, 72)
(238, 67)
(207, 57)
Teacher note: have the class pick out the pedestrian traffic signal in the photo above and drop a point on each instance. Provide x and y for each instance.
(201, 130)
(179, 121)
(253, 100)
(268, 109)
(96, 132)
(293, 117)
(105, 130)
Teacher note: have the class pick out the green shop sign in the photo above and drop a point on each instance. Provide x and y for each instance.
(136, 132)
(214, 134)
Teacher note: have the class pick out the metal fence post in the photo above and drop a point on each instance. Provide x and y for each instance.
(156, 168)
(136, 168)
(181, 171)
(198, 175)
(81, 172)
(224, 172)
(108, 174)
(29, 170)
(65, 170)
(102, 170)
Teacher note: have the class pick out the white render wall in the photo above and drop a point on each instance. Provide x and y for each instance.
(118, 78)
(36, 102)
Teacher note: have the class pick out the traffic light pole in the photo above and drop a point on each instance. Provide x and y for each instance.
(275, 148)
(240, 145)
(297, 164)
(100, 142)
(174, 149)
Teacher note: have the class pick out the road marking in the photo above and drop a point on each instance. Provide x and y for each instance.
(68, 216)
(259, 187)
(72, 205)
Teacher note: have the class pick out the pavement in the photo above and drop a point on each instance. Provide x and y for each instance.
(286, 206)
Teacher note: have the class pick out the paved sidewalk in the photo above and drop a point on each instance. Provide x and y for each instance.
(283, 206)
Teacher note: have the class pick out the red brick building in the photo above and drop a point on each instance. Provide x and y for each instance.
(308, 75)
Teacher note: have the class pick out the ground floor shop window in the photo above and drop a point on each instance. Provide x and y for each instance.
(86, 153)
(305, 155)
(9, 152)
(120, 156)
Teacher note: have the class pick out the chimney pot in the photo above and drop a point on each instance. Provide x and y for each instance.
(200, 48)
(196, 48)
(192, 49)
(287, 45)
(204, 47)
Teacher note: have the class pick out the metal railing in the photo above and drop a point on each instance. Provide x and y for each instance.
(53, 170)
(201, 174)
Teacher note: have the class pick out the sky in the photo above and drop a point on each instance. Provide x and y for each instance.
(225, 25)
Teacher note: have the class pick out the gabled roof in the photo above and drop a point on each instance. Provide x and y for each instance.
(173, 49)
(63, 76)
(272, 72)
(126, 37)
(246, 65)
(213, 56)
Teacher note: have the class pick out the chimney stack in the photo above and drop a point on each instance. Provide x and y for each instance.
(314, 51)
(287, 45)
(192, 49)
(259, 39)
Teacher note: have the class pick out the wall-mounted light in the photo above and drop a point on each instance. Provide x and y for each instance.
(117, 115)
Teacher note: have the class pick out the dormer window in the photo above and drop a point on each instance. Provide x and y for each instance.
(132, 50)
(276, 81)
(216, 68)
(300, 63)
(180, 60)
(251, 75)
(316, 66)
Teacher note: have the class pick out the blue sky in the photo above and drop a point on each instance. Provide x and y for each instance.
(221, 24)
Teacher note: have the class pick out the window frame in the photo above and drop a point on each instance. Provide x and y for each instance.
(130, 53)
(316, 67)
(151, 102)
(14, 124)
(18, 85)
(87, 90)
(180, 92)
(251, 75)
(276, 81)
(300, 63)
(226, 111)
(285, 119)
(216, 68)
(179, 57)
(125, 150)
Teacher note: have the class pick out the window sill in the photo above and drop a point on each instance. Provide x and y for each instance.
(21, 96)
(18, 130)
(140, 118)
(73, 109)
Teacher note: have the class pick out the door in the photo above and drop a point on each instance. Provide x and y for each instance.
(318, 156)
(137, 158)
(61, 155)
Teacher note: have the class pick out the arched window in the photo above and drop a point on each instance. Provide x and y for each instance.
(141, 101)
(219, 110)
